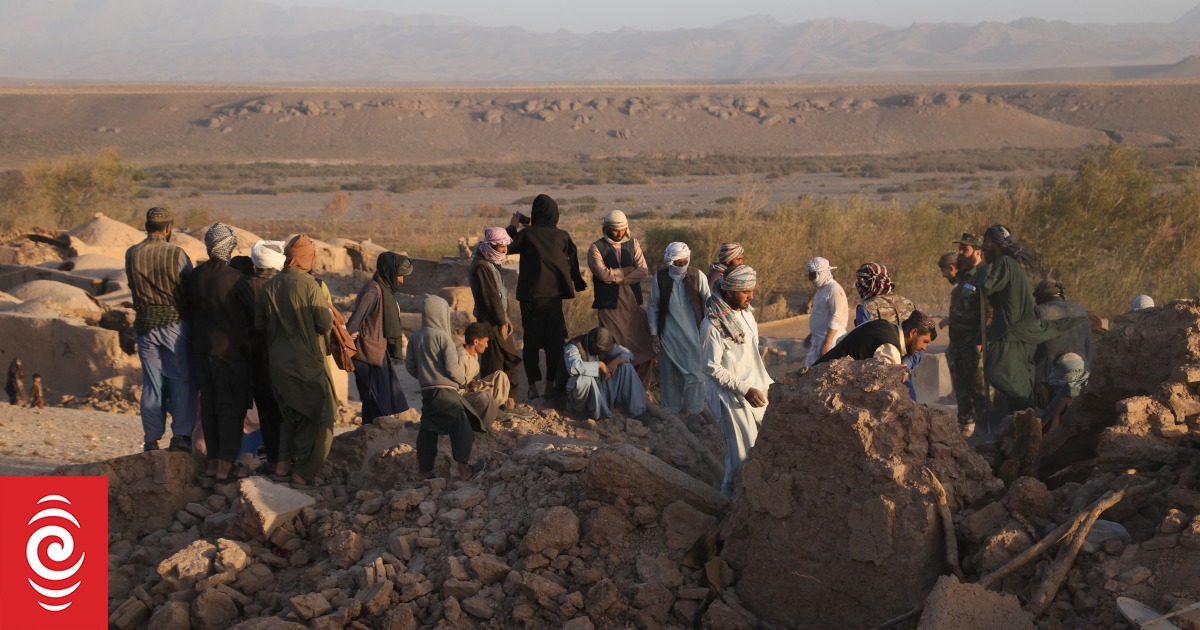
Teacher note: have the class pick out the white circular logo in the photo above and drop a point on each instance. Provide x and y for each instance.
(59, 551)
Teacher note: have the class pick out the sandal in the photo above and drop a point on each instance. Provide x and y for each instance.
(236, 473)
(477, 468)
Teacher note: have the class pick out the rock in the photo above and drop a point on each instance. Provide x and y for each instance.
(1029, 497)
(492, 116)
(1189, 538)
(601, 597)
(981, 523)
(311, 605)
(489, 569)
(1003, 546)
(255, 578)
(129, 615)
(606, 526)
(188, 565)
(1160, 543)
(952, 605)
(722, 615)
(658, 569)
(231, 556)
(627, 471)
(375, 599)
(402, 617)
(345, 548)
(171, 616)
(479, 606)
(213, 610)
(268, 623)
(835, 481)
(266, 505)
(1173, 522)
(1135, 576)
(684, 524)
(466, 498)
(460, 588)
(579, 623)
(556, 528)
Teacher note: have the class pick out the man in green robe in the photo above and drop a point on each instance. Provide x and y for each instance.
(1015, 330)
(293, 313)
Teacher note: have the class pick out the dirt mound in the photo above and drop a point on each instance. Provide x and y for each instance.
(63, 299)
(94, 266)
(834, 493)
(953, 605)
(1141, 349)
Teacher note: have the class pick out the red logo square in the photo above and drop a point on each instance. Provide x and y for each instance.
(54, 552)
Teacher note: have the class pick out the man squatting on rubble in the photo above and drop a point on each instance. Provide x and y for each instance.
(737, 379)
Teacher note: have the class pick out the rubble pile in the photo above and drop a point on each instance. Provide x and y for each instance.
(833, 522)
(114, 395)
(573, 524)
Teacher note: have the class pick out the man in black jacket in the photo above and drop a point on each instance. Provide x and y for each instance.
(548, 274)
(881, 339)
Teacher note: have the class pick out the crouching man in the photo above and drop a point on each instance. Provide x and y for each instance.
(433, 359)
(601, 376)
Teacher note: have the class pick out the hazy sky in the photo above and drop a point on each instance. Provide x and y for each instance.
(608, 15)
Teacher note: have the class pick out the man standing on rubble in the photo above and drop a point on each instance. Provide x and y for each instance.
(736, 376)
(830, 312)
(548, 274)
(1015, 330)
(962, 355)
(157, 270)
(618, 267)
(676, 312)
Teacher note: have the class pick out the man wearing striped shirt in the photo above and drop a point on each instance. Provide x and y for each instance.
(156, 270)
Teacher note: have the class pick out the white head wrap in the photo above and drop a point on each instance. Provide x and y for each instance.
(677, 251)
(1140, 302)
(616, 220)
(268, 255)
(821, 267)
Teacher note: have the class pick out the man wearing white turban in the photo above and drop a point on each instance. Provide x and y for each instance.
(618, 265)
(830, 313)
(737, 377)
(676, 310)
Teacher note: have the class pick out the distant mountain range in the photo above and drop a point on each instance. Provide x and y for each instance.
(249, 41)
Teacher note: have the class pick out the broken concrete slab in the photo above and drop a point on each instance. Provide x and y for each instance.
(267, 505)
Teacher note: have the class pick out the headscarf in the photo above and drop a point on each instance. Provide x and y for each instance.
(268, 255)
(739, 278)
(220, 241)
(824, 272)
(616, 220)
(677, 251)
(1140, 302)
(493, 236)
(544, 211)
(1069, 371)
(1008, 243)
(387, 266)
(300, 253)
(873, 279)
(726, 254)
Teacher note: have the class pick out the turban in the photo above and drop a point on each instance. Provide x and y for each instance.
(740, 278)
(999, 233)
(1140, 302)
(677, 251)
(616, 220)
(220, 241)
(873, 279)
(1069, 371)
(820, 266)
(718, 311)
(300, 252)
(729, 251)
(1008, 244)
(493, 236)
(268, 255)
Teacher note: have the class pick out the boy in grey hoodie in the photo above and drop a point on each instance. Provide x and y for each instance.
(433, 360)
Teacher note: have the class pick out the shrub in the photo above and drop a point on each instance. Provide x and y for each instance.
(67, 191)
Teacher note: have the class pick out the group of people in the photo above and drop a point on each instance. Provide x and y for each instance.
(14, 386)
(242, 333)
(698, 329)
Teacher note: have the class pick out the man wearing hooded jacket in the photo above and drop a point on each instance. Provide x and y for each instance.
(548, 274)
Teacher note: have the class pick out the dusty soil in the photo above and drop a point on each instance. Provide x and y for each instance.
(36, 441)
(170, 123)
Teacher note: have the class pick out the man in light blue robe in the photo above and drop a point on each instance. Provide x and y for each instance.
(676, 310)
(601, 376)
